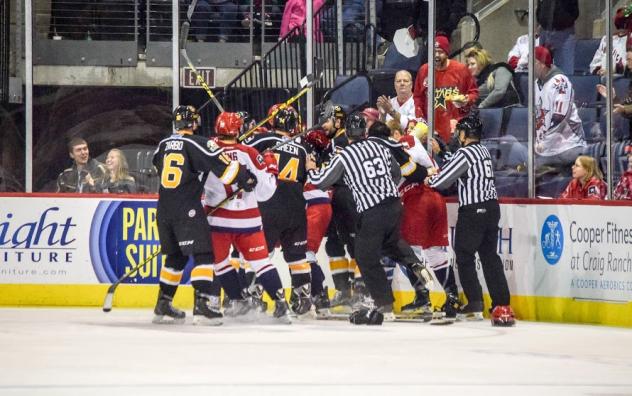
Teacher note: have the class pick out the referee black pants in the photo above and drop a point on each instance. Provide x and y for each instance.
(477, 231)
(377, 235)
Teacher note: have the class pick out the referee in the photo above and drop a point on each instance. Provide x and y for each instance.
(477, 224)
(371, 174)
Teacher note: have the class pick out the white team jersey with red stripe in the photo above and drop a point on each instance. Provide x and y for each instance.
(416, 150)
(314, 196)
(241, 213)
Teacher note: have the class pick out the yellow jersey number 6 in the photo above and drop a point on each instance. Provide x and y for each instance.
(171, 172)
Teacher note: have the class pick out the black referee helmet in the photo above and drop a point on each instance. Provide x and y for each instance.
(471, 125)
(355, 126)
(185, 116)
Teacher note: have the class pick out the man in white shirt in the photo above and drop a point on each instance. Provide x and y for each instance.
(559, 133)
(402, 106)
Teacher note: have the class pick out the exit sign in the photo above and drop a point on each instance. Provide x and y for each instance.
(188, 79)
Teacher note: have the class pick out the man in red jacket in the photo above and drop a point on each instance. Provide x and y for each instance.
(455, 89)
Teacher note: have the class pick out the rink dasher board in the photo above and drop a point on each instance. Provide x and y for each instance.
(567, 263)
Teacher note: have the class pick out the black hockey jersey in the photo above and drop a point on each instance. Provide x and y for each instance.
(291, 159)
(183, 160)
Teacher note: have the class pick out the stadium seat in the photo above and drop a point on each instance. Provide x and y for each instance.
(394, 60)
(352, 92)
(510, 183)
(585, 89)
(517, 123)
(584, 52)
(492, 121)
(621, 87)
(592, 131)
(521, 81)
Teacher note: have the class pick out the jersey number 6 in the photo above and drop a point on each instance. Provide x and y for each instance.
(171, 172)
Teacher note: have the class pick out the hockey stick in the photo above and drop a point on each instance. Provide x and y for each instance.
(109, 297)
(184, 33)
(306, 82)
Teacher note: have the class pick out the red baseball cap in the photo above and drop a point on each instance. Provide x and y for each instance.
(371, 113)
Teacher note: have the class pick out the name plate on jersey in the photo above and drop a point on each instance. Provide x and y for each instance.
(189, 80)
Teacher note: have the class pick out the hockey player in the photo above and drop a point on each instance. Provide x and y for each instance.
(238, 222)
(318, 218)
(341, 232)
(425, 227)
(283, 215)
(180, 160)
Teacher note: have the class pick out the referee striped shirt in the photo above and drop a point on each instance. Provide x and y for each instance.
(472, 167)
(367, 168)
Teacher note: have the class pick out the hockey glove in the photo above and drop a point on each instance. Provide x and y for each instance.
(246, 180)
(271, 163)
(367, 317)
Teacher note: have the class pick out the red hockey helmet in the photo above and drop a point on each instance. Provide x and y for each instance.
(273, 109)
(317, 138)
(228, 124)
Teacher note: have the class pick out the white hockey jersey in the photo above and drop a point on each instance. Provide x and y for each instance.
(521, 51)
(618, 54)
(417, 151)
(241, 213)
(406, 111)
(558, 127)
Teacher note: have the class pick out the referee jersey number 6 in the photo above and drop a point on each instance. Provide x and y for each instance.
(368, 172)
(472, 166)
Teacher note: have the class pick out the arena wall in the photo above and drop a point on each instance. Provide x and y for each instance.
(565, 261)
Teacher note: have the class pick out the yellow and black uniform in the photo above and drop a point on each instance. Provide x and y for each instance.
(182, 160)
(284, 215)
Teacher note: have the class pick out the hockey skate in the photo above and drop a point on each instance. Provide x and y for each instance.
(281, 309)
(367, 314)
(321, 304)
(420, 307)
(205, 311)
(446, 314)
(503, 315)
(239, 307)
(471, 312)
(165, 312)
(342, 298)
(300, 300)
(256, 298)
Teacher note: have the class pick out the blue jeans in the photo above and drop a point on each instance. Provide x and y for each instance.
(562, 42)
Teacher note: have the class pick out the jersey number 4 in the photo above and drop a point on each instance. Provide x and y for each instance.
(290, 171)
(171, 173)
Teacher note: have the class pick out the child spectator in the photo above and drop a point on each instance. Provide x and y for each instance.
(623, 190)
(587, 180)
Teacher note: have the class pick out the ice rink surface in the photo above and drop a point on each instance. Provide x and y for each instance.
(87, 352)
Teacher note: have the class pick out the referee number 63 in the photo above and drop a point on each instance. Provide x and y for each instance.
(374, 167)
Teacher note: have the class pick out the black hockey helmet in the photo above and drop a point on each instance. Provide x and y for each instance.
(329, 111)
(471, 125)
(184, 117)
(355, 126)
(287, 120)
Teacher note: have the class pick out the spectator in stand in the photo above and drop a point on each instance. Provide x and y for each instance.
(518, 57)
(620, 43)
(587, 180)
(402, 106)
(559, 133)
(623, 190)
(622, 106)
(117, 180)
(294, 15)
(494, 80)
(371, 115)
(85, 174)
(557, 18)
(455, 90)
(224, 15)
